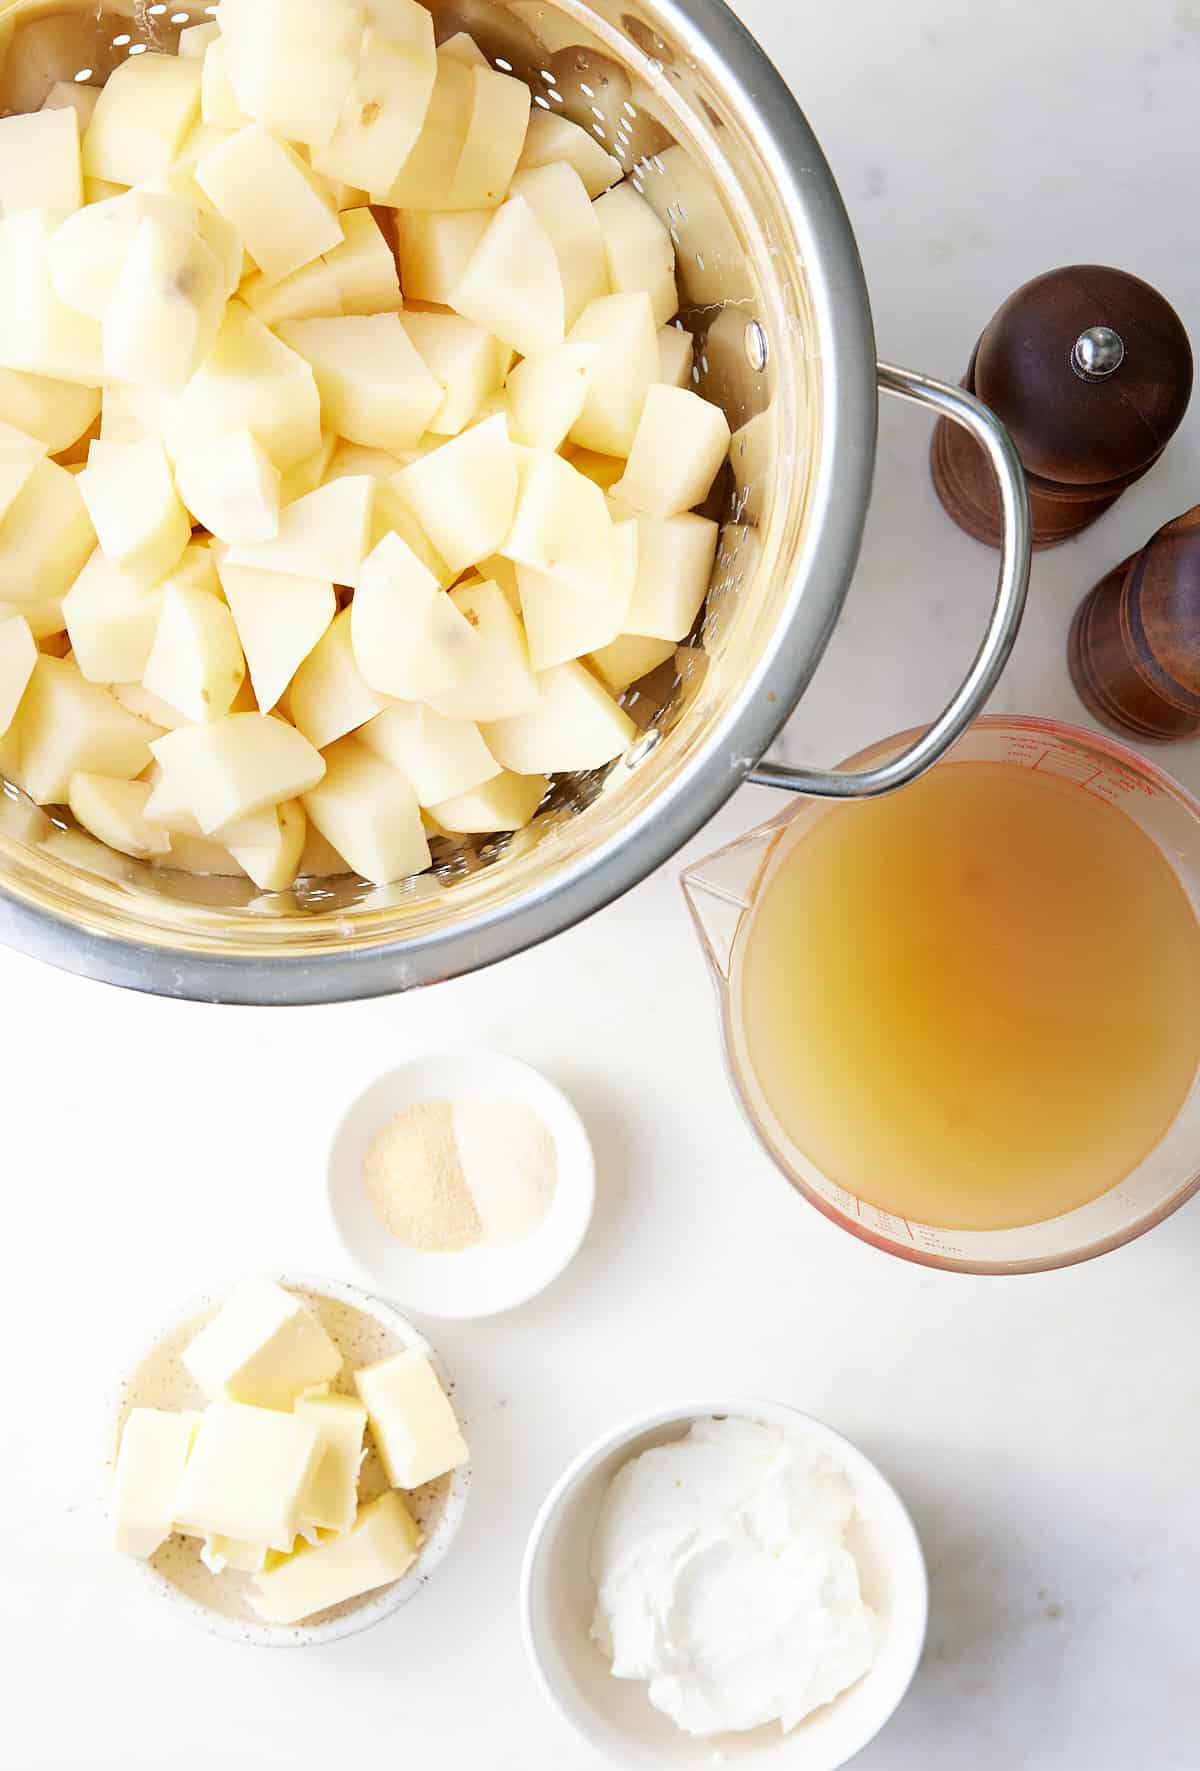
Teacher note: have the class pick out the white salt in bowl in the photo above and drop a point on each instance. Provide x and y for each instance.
(364, 1329)
(616, 1715)
(471, 1282)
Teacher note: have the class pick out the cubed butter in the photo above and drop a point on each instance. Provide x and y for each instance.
(414, 1426)
(341, 1422)
(380, 1546)
(150, 1465)
(263, 1346)
(248, 1475)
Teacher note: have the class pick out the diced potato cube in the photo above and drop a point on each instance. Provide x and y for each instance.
(88, 252)
(507, 802)
(553, 137)
(640, 252)
(385, 105)
(441, 757)
(39, 162)
(427, 177)
(512, 285)
(412, 1420)
(280, 618)
(629, 658)
(499, 682)
(675, 562)
(111, 619)
(310, 293)
(603, 470)
(564, 620)
(219, 108)
(166, 308)
(324, 535)
(562, 527)
(379, 1547)
(494, 138)
(329, 695)
(195, 663)
(558, 198)
(464, 494)
(364, 267)
(393, 517)
(39, 333)
(575, 725)
(236, 766)
(681, 443)
(463, 357)
(19, 456)
(291, 62)
(546, 394)
(409, 639)
(148, 707)
(146, 108)
(114, 812)
(712, 266)
(675, 353)
(307, 475)
(375, 387)
(264, 1345)
(250, 380)
(248, 1474)
(464, 49)
(333, 1496)
(67, 724)
(273, 865)
(70, 95)
(135, 510)
(231, 486)
(45, 537)
(278, 206)
(56, 412)
(18, 655)
(44, 620)
(436, 248)
(369, 812)
(153, 1454)
(625, 367)
(195, 39)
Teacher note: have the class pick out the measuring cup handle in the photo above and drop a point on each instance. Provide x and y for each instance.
(1011, 588)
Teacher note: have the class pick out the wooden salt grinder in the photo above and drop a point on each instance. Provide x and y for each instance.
(1091, 370)
(1134, 649)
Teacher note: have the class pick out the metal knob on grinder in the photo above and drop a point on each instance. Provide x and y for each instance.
(1091, 371)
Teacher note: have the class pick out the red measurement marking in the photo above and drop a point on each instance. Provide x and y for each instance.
(908, 1227)
(858, 1207)
(1041, 759)
(1096, 773)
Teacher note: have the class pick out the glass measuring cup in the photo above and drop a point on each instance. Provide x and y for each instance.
(723, 889)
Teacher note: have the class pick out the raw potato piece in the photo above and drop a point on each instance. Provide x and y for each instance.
(375, 388)
(427, 177)
(508, 802)
(238, 765)
(562, 527)
(310, 293)
(45, 537)
(675, 562)
(114, 812)
(19, 456)
(39, 163)
(436, 248)
(551, 137)
(56, 412)
(148, 707)
(494, 138)
(393, 517)
(681, 443)
(195, 39)
(363, 267)
(441, 757)
(111, 620)
(546, 394)
(18, 655)
(564, 622)
(676, 350)
(291, 62)
(410, 641)
(464, 49)
(88, 252)
(309, 474)
(329, 696)
(629, 658)
(603, 470)
(166, 308)
(280, 618)
(575, 725)
(464, 358)
(369, 812)
(67, 724)
(639, 251)
(464, 494)
(252, 381)
(626, 364)
(150, 1463)
(39, 333)
(712, 266)
(558, 198)
(499, 681)
(70, 95)
(379, 1547)
(231, 487)
(135, 510)
(324, 535)
(385, 106)
(145, 110)
(196, 661)
(512, 285)
(273, 865)
(263, 188)
(219, 108)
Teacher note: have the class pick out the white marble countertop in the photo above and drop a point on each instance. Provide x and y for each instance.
(1045, 1431)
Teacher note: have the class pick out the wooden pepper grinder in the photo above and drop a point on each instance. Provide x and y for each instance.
(1091, 370)
(1134, 649)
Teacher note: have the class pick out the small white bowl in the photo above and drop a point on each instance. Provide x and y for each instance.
(478, 1281)
(364, 1329)
(615, 1715)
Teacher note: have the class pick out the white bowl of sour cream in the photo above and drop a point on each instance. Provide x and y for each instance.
(581, 1534)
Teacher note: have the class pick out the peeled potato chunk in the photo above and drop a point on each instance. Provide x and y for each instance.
(639, 251)
(273, 864)
(323, 535)
(624, 370)
(111, 619)
(681, 443)
(238, 765)
(384, 108)
(499, 680)
(263, 189)
(231, 486)
(280, 618)
(512, 285)
(18, 655)
(131, 498)
(465, 493)
(369, 812)
(507, 802)
(145, 109)
(114, 812)
(291, 62)
(558, 198)
(552, 137)
(39, 162)
(67, 724)
(576, 724)
(410, 640)
(375, 386)
(329, 695)
(441, 757)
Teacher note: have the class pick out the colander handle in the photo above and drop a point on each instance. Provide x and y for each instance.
(1015, 554)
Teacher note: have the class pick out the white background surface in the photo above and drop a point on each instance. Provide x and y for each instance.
(1045, 1431)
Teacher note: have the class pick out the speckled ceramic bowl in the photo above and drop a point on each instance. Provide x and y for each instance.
(364, 1329)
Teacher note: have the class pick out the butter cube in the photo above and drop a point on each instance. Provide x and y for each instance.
(263, 1346)
(380, 1545)
(219, 1553)
(248, 1475)
(150, 1465)
(333, 1497)
(414, 1426)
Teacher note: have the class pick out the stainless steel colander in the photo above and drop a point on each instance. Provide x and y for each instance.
(773, 291)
